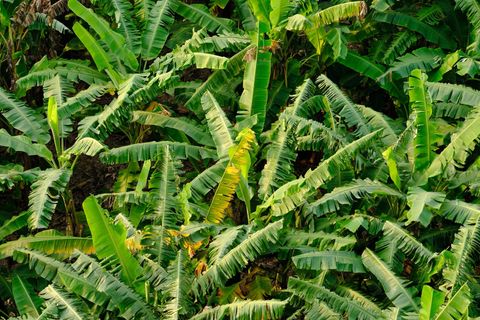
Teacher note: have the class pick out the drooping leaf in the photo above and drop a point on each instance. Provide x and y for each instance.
(407, 243)
(24, 144)
(49, 242)
(343, 106)
(126, 24)
(23, 118)
(428, 32)
(359, 189)
(454, 93)
(152, 150)
(190, 128)
(200, 15)
(344, 261)
(311, 292)
(15, 223)
(278, 168)
(396, 288)
(45, 194)
(244, 310)
(99, 55)
(164, 187)
(472, 9)
(69, 306)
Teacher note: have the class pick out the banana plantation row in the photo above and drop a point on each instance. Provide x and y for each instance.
(239, 159)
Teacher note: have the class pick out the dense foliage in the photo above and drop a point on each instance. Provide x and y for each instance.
(239, 159)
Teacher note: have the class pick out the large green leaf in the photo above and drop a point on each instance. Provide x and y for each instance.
(362, 65)
(459, 211)
(327, 168)
(118, 111)
(261, 10)
(223, 242)
(359, 189)
(280, 156)
(109, 240)
(61, 274)
(279, 13)
(27, 301)
(395, 287)
(421, 105)
(129, 303)
(98, 54)
(177, 286)
(377, 120)
(454, 93)
(431, 301)
(82, 99)
(420, 203)
(332, 14)
(460, 264)
(127, 26)
(255, 84)
(392, 233)
(293, 193)
(71, 69)
(424, 59)
(115, 42)
(15, 223)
